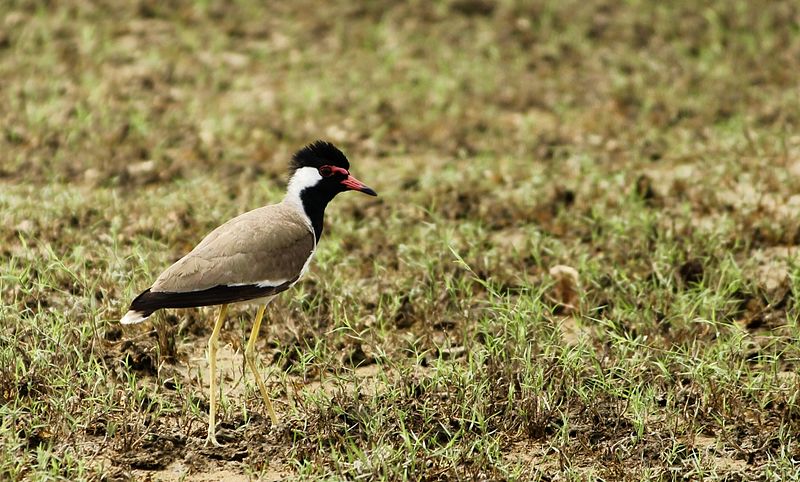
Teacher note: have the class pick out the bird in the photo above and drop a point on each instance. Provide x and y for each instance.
(254, 257)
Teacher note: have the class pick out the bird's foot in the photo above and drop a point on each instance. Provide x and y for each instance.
(212, 440)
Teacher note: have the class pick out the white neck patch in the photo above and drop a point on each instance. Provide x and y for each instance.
(303, 178)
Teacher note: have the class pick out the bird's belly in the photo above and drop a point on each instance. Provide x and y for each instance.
(305, 265)
(257, 301)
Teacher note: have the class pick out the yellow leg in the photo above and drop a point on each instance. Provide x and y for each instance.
(250, 357)
(213, 343)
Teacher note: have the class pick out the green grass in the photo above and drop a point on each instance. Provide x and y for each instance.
(651, 147)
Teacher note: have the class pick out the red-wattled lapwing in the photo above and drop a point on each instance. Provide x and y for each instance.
(254, 256)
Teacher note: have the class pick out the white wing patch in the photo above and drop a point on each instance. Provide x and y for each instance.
(267, 283)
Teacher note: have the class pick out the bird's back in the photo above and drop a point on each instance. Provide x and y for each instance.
(255, 255)
(267, 246)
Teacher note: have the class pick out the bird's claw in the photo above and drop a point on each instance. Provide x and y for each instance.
(212, 440)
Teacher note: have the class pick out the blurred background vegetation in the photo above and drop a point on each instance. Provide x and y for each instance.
(225, 86)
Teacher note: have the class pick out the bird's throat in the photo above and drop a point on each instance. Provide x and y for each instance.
(314, 201)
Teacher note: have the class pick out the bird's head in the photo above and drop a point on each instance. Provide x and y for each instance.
(324, 169)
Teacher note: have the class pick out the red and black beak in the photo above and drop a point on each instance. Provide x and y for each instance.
(354, 184)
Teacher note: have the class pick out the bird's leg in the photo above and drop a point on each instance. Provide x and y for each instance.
(250, 358)
(213, 343)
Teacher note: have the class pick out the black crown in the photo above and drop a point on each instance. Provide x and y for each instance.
(319, 153)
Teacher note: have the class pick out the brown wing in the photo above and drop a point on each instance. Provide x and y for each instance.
(265, 247)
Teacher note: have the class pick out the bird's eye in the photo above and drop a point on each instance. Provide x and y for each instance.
(325, 171)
